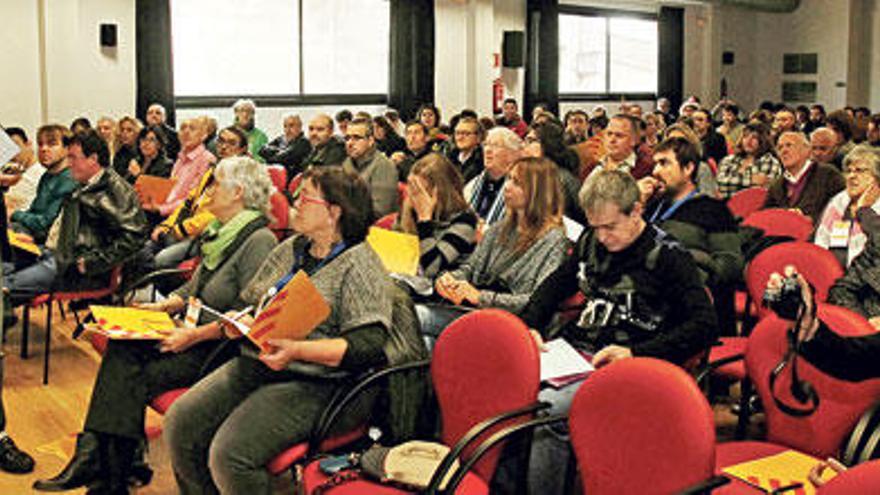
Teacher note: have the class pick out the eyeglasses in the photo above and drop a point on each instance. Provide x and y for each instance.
(227, 142)
(305, 198)
(354, 137)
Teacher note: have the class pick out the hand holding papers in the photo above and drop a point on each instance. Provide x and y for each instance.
(562, 364)
(399, 252)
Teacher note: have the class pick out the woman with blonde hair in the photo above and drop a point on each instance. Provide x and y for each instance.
(106, 128)
(436, 211)
(514, 256)
(127, 131)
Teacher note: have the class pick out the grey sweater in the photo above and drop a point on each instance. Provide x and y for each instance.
(381, 175)
(223, 290)
(506, 280)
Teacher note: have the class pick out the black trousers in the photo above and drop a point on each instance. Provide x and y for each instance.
(2, 411)
(134, 372)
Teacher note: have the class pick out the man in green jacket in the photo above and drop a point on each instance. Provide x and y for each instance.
(245, 111)
(55, 185)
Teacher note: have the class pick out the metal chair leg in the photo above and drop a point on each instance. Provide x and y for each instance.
(25, 330)
(46, 347)
(745, 412)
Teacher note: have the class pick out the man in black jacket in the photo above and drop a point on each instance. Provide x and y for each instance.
(644, 297)
(101, 225)
(156, 116)
(327, 149)
(290, 148)
(467, 154)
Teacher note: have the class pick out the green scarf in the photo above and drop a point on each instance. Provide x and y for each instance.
(221, 236)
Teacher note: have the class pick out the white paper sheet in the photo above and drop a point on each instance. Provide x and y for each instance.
(573, 230)
(8, 148)
(561, 359)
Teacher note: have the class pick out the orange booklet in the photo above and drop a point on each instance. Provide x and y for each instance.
(153, 189)
(23, 242)
(779, 470)
(292, 313)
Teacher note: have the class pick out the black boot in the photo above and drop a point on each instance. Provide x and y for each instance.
(116, 467)
(83, 468)
(141, 473)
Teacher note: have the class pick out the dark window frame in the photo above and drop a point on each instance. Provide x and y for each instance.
(607, 14)
(299, 99)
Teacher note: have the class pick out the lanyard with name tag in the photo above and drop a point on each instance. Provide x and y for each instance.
(840, 232)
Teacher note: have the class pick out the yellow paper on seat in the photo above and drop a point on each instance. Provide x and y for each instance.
(293, 313)
(399, 252)
(23, 242)
(779, 470)
(130, 323)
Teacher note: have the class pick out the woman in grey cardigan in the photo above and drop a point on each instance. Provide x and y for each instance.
(133, 372)
(514, 256)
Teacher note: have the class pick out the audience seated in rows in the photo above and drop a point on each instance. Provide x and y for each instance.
(133, 372)
(173, 239)
(54, 187)
(436, 211)
(100, 227)
(372, 165)
(224, 431)
(644, 298)
(514, 256)
(289, 149)
(804, 185)
(752, 163)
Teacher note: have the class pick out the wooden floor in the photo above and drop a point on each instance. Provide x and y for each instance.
(43, 420)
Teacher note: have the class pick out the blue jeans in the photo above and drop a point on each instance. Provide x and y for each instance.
(35, 279)
(551, 452)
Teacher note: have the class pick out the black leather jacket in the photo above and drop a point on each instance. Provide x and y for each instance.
(102, 223)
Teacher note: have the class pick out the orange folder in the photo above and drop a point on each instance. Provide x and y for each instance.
(292, 313)
(126, 323)
(779, 470)
(153, 189)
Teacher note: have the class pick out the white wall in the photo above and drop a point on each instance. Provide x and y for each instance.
(78, 77)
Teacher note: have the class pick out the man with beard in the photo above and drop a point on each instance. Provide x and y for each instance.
(702, 224)
(327, 149)
(872, 141)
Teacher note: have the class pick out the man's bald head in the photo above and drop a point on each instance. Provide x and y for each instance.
(823, 145)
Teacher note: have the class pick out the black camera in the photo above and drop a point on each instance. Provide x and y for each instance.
(785, 301)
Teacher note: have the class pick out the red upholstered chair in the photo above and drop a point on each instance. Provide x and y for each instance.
(863, 479)
(485, 371)
(816, 264)
(401, 192)
(60, 297)
(781, 222)
(619, 444)
(747, 201)
(293, 186)
(820, 434)
(278, 174)
(280, 215)
(386, 222)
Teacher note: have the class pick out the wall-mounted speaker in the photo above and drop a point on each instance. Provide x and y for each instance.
(727, 58)
(108, 35)
(513, 49)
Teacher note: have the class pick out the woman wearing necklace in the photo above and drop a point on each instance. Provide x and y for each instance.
(224, 431)
(133, 372)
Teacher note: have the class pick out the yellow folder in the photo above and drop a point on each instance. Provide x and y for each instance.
(779, 470)
(130, 323)
(23, 242)
(399, 252)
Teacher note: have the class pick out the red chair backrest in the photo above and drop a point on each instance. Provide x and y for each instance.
(776, 221)
(747, 201)
(386, 222)
(483, 364)
(841, 403)
(278, 174)
(640, 426)
(816, 264)
(280, 214)
(401, 192)
(863, 479)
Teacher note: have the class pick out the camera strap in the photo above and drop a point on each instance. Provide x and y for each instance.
(802, 391)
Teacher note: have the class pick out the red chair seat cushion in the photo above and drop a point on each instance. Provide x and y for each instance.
(284, 460)
(471, 484)
(730, 346)
(730, 453)
(162, 402)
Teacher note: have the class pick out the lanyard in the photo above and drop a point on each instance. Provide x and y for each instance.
(672, 209)
(337, 250)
